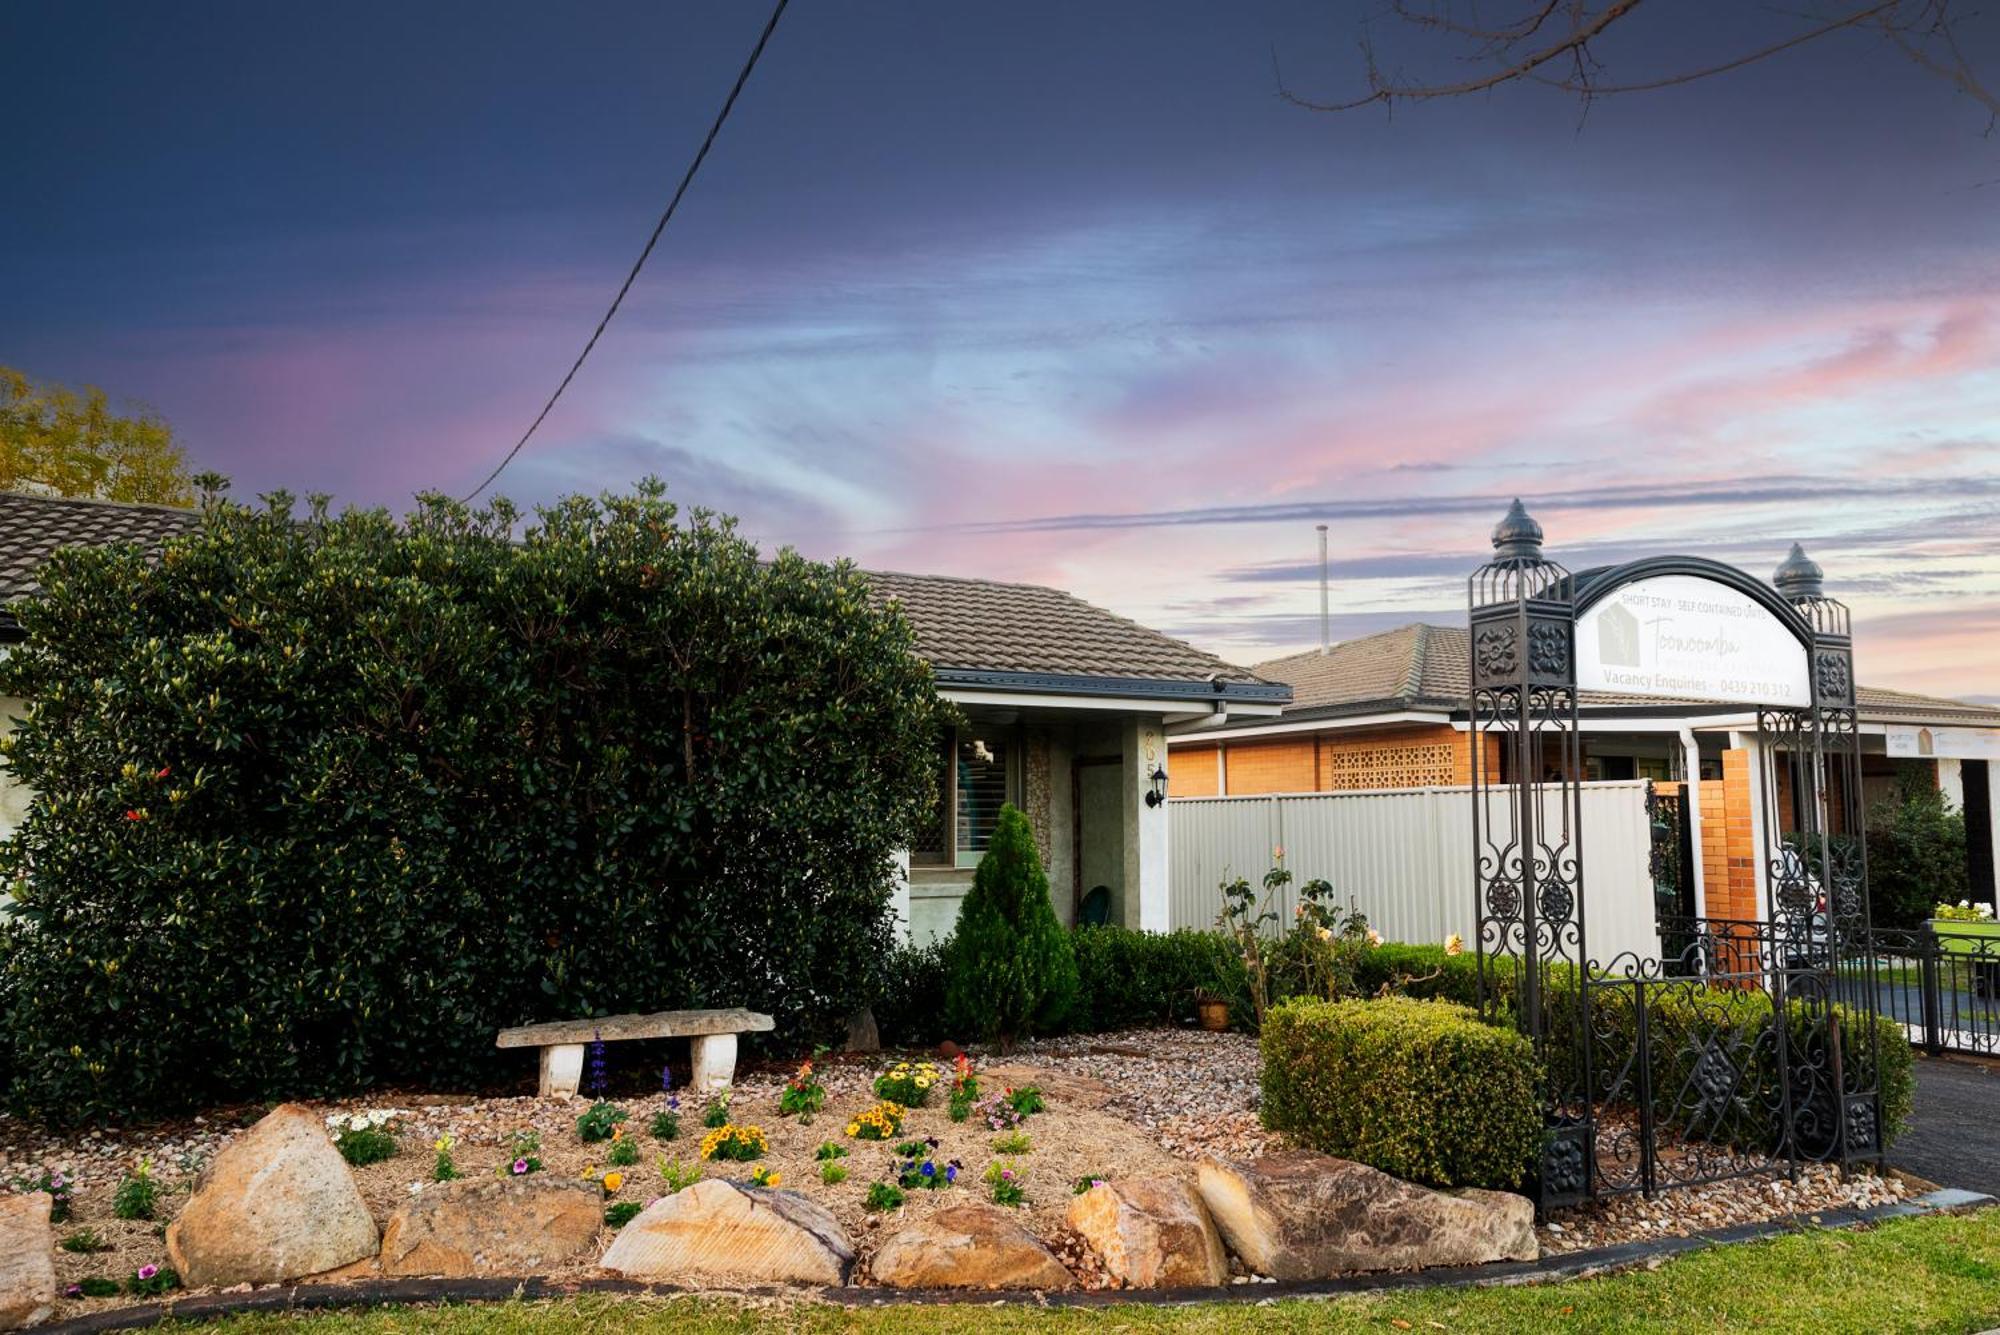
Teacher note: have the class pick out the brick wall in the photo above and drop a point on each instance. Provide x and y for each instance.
(1418, 757)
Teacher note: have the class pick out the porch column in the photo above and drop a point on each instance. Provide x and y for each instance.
(1691, 816)
(1758, 775)
(1951, 782)
(1148, 886)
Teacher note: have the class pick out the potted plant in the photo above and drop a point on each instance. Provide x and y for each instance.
(1213, 1008)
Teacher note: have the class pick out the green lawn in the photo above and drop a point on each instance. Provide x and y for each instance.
(1934, 1274)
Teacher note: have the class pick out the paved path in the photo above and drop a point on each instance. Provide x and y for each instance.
(1954, 1135)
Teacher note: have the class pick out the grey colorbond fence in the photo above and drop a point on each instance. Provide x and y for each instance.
(1404, 857)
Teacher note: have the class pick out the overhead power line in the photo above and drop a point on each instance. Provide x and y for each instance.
(687, 179)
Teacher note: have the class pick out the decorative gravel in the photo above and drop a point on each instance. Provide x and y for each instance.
(1139, 1102)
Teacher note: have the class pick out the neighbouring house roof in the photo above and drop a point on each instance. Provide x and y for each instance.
(981, 633)
(33, 527)
(974, 632)
(1424, 667)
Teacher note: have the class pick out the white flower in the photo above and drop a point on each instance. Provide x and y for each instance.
(358, 1122)
(1374, 937)
(416, 1188)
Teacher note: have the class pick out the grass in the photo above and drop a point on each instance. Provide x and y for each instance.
(1936, 1274)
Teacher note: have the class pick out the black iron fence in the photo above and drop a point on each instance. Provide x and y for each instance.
(1941, 984)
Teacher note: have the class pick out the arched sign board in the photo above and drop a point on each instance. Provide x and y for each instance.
(1689, 637)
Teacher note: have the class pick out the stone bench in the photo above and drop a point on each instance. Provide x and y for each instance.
(563, 1042)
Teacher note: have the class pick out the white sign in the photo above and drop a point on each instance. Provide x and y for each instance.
(1690, 638)
(1951, 743)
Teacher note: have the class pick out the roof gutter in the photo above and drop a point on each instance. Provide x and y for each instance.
(1146, 688)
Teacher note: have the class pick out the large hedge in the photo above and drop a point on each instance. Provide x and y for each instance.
(1419, 1089)
(322, 803)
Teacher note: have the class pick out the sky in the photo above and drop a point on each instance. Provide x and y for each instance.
(1053, 292)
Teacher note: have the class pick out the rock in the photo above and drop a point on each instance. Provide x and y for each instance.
(968, 1247)
(492, 1226)
(1152, 1233)
(1064, 1087)
(27, 1260)
(277, 1203)
(863, 1035)
(1300, 1215)
(717, 1229)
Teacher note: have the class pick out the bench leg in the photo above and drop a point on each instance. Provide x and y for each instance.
(714, 1062)
(562, 1070)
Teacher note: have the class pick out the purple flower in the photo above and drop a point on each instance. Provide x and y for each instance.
(148, 1271)
(520, 1167)
(666, 1079)
(1006, 1175)
(930, 1170)
(73, 1291)
(951, 1173)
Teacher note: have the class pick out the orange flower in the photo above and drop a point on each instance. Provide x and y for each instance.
(133, 814)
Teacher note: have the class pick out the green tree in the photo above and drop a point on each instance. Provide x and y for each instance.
(1916, 853)
(65, 442)
(321, 804)
(1010, 969)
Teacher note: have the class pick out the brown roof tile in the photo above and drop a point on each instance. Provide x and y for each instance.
(980, 625)
(1419, 666)
(32, 527)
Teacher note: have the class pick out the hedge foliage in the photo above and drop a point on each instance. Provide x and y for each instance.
(322, 803)
(1009, 967)
(1128, 979)
(1420, 1089)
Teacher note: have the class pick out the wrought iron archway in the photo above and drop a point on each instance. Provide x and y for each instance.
(1652, 1077)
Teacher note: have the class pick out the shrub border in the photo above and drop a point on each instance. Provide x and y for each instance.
(1570, 1265)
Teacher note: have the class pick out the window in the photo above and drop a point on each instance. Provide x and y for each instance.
(978, 777)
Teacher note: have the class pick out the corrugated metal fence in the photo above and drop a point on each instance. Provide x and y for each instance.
(1404, 857)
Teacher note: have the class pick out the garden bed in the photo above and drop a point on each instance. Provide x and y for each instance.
(1120, 1106)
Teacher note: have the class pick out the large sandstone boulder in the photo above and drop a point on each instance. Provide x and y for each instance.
(492, 1226)
(277, 1203)
(1152, 1233)
(721, 1230)
(968, 1247)
(1064, 1087)
(1300, 1215)
(27, 1260)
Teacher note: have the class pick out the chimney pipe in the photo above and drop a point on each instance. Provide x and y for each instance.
(1323, 642)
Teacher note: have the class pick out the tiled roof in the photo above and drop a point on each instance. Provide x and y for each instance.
(31, 527)
(980, 625)
(1426, 667)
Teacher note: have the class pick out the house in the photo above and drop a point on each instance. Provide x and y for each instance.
(1065, 708)
(1389, 711)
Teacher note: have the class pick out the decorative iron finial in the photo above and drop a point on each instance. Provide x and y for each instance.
(1518, 535)
(1799, 577)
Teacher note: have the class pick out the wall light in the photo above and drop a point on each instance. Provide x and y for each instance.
(1158, 793)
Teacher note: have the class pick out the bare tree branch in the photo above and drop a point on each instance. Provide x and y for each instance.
(1521, 51)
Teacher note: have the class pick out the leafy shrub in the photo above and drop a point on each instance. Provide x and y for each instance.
(368, 1144)
(1916, 854)
(280, 770)
(599, 1121)
(666, 1125)
(1005, 1180)
(1128, 979)
(828, 1150)
(675, 1175)
(624, 1151)
(84, 1241)
(1420, 1089)
(717, 1112)
(1027, 1100)
(832, 1173)
(620, 1213)
(909, 995)
(1009, 970)
(1015, 1142)
(803, 1095)
(883, 1196)
(98, 1286)
(149, 1281)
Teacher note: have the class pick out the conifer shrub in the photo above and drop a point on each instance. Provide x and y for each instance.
(1010, 970)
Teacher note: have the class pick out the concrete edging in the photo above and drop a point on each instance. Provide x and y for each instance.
(1573, 1265)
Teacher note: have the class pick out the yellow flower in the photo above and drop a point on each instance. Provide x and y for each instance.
(853, 1128)
(613, 1181)
(772, 1179)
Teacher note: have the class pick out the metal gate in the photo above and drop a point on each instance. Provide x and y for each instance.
(1725, 1051)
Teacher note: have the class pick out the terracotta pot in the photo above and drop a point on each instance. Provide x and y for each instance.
(1214, 1015)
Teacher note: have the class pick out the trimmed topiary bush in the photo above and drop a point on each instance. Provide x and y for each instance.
(1420, 1089)
(909, 1001)
(321, 804)
(1009, 969)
